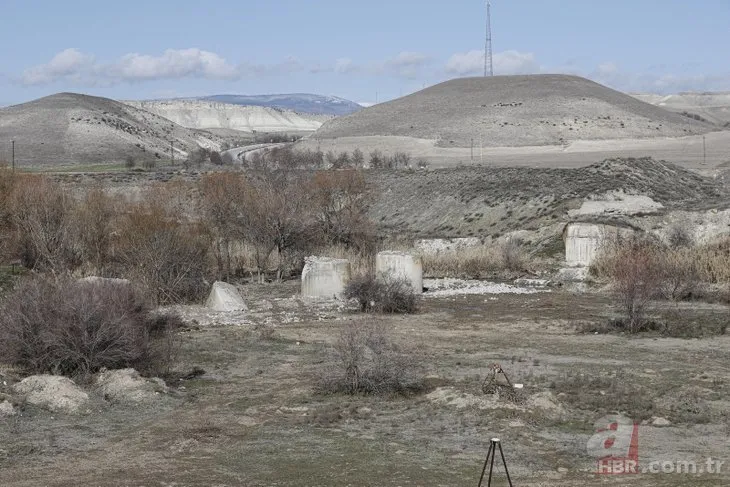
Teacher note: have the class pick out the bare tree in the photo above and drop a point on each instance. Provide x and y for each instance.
(637, 277)
(224, 196)
(340, 202)
(358, 159)
(93, 228)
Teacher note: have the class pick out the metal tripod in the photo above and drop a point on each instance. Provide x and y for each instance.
(490, 460)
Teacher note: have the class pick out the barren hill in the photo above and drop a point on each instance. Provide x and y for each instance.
(69, 128)
(200, 114)
(713, 107)
(507, 111)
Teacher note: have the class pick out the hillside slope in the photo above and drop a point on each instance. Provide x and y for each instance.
(489, 201)
(69, 128)
(297, 102)
(199, 114)
(713, 107)
(504, 111)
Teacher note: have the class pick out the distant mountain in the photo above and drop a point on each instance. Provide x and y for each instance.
(298, 102)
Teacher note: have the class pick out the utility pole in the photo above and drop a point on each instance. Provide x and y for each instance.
(172, 154)
(12, 142)
(704, 150)
(472, 149)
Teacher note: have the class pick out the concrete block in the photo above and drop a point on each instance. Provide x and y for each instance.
(401, 265)
(582, 243)
(225, 297)
(324, 277)
(104, 280)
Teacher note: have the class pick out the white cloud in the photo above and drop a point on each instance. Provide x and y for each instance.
(69, 63)
(607, 68)
(173, 63)
(344, 65)
(507, 62)
(405, 64)
(656, 81)
(74, 65)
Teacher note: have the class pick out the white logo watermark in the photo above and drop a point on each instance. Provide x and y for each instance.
(615, 445)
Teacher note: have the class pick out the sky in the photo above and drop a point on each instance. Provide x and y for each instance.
(365, 51)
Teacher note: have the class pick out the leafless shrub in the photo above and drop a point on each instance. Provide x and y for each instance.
(358, 159)
(513, 255)
(377, 160)
(365, 360)
(76, 328)
(166, 257)
(41, 213)
(93, 228)
(680, 274)
(382, 294)
(340, 201)
(636, 274)
(679, 237)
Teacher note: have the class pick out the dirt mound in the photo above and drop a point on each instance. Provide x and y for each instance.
(507, 111)
(68, 128)
(52, 392)
(127, 386)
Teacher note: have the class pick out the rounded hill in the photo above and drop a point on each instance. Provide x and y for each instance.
(70, 128)
(504, 111)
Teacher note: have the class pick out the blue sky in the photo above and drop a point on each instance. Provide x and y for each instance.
(358, 50)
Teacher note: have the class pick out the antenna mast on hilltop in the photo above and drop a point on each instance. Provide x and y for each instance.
(488, 65)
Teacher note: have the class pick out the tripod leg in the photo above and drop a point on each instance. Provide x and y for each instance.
(501, 452)
(491, 466)
(486, 460)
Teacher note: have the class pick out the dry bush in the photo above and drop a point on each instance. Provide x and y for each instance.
(41, 212)
(679, 236)
(680, 274)
(6, 185)
(713, 261)
(93, 228)
(340, 200)
(683, 271)
(382, 294)
(477, 262)
(223, 195)
(637, 274)
(75, 328)
(513, 254)
(365, 360)
(167, 258)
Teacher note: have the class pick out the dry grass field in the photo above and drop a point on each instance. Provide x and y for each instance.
(255, 418)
